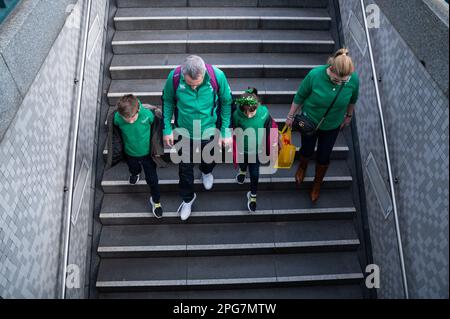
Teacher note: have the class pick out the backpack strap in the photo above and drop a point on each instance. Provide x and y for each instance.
(209, 69)
(176, 79)
(213, 78)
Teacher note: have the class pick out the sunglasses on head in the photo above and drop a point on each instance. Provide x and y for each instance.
(341, 53)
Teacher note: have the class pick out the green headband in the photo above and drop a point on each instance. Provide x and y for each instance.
(248, 100)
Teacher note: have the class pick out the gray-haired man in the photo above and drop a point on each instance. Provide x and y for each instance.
(196, 92)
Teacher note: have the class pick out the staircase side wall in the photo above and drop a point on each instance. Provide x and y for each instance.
(416, 116)
(34, 147)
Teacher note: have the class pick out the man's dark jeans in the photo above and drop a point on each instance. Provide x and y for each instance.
(135, 165)
(186, 170)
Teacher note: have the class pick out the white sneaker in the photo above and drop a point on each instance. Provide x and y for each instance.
(208, 181)
(185, 208)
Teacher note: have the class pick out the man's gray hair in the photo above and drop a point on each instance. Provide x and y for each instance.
(194, 66)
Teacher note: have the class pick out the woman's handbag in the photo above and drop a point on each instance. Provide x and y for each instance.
(306, 126)
(286, 155)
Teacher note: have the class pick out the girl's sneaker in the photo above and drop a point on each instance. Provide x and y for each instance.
(251, 203)
(240, 177)
(133, 179)
(156, 208)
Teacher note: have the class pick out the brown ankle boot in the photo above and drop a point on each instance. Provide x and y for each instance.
(320, 174)
(301, 170)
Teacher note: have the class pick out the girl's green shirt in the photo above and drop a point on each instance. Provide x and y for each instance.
(250, 142)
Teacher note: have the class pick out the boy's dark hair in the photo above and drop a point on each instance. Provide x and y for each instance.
(249, 101)
(126, 106)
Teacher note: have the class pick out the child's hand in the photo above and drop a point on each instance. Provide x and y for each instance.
(168, 140)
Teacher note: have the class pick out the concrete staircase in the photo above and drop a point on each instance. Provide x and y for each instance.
(289, 248)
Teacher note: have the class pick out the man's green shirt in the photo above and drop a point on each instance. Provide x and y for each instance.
(197, 105)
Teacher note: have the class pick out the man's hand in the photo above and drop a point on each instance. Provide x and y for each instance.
(226, 141)
(168, 140)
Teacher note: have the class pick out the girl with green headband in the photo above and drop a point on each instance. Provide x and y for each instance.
(249, 121)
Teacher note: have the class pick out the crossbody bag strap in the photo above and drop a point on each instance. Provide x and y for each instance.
(331, 106)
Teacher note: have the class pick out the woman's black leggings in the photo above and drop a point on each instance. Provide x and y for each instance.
(325, 142)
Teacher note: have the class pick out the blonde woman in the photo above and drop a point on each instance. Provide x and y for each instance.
(333, 87)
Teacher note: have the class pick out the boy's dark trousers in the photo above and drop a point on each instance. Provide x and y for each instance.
(135, 165)
(186, 170)
(253, 168)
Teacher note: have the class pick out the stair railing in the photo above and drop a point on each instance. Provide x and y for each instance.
(72, 152)
(386, 152)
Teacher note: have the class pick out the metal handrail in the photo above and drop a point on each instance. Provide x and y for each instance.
(72, 156)
(387, 155)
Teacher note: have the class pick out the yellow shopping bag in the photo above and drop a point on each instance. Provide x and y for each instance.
(286, 155)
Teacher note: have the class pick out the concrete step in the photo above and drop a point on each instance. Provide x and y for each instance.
(270, 90)
(189, 18)
(350, 291)
(222, 41)
(226, 238)
(294, 3)
(227, 272)
(261, 65)
(340, 150)
(115, 180)
(287, 205)
(278, 112)
(222, 3)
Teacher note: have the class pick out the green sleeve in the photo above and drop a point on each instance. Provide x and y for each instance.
(355, 94)
(266, 113)
(304, 90)
(226, 99)
(168, 105)
(235, 119)
(151, 117)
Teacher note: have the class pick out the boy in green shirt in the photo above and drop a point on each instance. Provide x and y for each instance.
(251, 118)
(134, 122)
